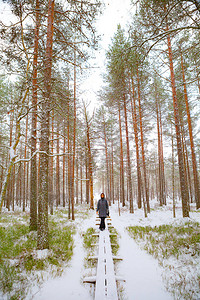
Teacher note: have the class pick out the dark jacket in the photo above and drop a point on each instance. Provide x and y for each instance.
(102, 208)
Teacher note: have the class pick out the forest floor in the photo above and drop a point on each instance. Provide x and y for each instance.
(160, 257)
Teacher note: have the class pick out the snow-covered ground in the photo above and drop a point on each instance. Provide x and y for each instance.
(146, 276)
(141, 271)
(69, 286)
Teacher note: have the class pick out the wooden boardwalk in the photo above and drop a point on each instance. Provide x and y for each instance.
(105, 279)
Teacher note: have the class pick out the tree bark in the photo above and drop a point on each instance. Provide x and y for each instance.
(135, 126)
(142, 144)
(77, 173)
(183, 187)
(58, 166)
(187, 166)
(43, 231)
(89, 161)
(162, 160)
(87, 188)
(112, 174)
(33, 167)
(68, 162)
(9, 193)
(107, 162)
(63, 177)
(122, 193)
(25, 192)
(74, 141)
(194, 163)
(51, 163)
(161, 177)
(129, 179)
(173, 184)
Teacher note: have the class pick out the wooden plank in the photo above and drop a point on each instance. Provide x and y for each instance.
(100, 278)
(106, 288)
(91, 279)
(110, 273)
(105, 279)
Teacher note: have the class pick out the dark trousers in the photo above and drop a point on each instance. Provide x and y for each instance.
(102, 224)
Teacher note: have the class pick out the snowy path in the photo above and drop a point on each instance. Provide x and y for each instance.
(69, 286)
(141, 272)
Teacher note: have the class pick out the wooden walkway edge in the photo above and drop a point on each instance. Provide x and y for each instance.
(105, 279)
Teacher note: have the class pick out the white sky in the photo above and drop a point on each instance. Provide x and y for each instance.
(115, 12)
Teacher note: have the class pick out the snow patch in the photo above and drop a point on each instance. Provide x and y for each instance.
(41, 254)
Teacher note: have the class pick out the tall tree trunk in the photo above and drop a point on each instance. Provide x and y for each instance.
(159, 158)
(89, 161)
(162, 160)
(184, 160)
(135, 126)
(112, 174)
(173, 181)
(110, 179)
(43, 231)
(74, 141)
(129, 179)
(87, 187)
(9, 197)
(27, 185)
(102, 183)
(18, 185)
(160, 152)
(51, 160)
(58, 166)
(69, 180)
(187, 166)
(91, 180)
(20, 181)
(13, 188)
(194, 163)
(68, 162)
(107, 162)
(25, 167)
(33, 167)
(183, 187)
(63, 177)
(122, 193)
(77, 173)
(142, 144)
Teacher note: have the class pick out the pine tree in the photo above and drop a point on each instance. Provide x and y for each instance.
(43, 233)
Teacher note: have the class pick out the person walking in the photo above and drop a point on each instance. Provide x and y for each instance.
(103, 210)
